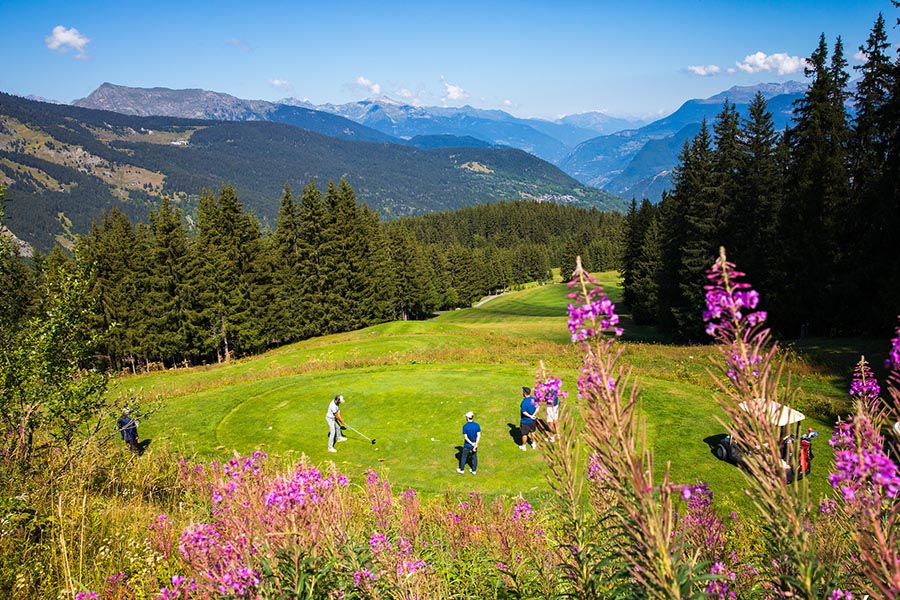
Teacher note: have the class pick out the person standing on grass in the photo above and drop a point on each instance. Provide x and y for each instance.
(552, 401)
(471, 436)
(528, 419)
(335, 422)
(128, 429)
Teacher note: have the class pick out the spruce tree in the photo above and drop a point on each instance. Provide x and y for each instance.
(754, 214)
(170, 311)
(816, 192)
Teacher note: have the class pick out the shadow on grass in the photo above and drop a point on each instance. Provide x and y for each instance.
(515, 432)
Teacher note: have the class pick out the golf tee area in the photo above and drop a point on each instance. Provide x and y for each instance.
(408, 384)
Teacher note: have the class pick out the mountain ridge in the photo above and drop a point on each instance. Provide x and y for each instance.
(64, 165)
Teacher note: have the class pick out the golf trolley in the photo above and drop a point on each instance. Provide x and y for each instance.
(732, 450)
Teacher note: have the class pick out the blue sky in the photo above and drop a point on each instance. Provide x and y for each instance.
(530, 58)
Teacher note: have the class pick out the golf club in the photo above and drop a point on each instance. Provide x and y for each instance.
(361, 433)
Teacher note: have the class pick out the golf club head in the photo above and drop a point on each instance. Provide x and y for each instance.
(373, 442)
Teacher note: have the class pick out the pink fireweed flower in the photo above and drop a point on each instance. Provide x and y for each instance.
(729, 301)
(840, 595)
(522, 510)
(893, 359)
(198, 539)
(89, 595)
(549, 391)
(861, 464)
(718, 588)
(378, 542)
(596, 313)
(864, 385)
(363, 576)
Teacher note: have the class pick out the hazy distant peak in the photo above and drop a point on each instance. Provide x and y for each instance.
(743, 94)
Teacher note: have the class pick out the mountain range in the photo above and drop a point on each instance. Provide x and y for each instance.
(626, 158)
(63, 165)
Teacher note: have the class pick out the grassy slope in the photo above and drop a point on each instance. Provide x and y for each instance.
(408, 384)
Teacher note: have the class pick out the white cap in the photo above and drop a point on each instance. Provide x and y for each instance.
(469, 415)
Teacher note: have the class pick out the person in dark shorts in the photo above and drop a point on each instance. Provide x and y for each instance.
(471, 437)
(528, 419)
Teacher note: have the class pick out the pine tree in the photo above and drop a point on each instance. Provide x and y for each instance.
(756, 204)
(816, 192)
(871, 221)
(170, 312)
(309, 307)
(691, 219)
(286, 249)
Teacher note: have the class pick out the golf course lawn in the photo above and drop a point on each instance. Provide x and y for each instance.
(407, 385)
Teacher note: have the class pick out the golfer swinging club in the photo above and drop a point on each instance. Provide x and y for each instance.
(334, 419)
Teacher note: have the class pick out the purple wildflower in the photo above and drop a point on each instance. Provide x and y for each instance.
(378, 542)
(718, 588)
(729, 301)
(864, 385)
(840, 595)
(860, 462)
(893, 360)
(549, 391)
(522, 510)
(88, 595)
(597, 310)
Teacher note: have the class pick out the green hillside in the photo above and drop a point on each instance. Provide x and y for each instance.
(63, 165)
(407, 385)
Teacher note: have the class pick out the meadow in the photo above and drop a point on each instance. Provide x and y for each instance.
(408, 384)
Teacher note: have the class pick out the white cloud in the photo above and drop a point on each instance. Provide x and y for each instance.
(507, 103)
(239, 44)
(63, 40)
(861, 56)
(453, 93)
(780, 62)
(372, 87)
(705, 71)
(281, 84)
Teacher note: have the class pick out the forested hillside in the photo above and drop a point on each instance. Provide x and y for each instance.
(161, 293)
(63, 166)
(811, 215)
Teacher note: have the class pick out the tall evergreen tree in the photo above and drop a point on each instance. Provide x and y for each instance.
(313, 265)
(816, 194)
(692, 220)
(169, 307)
(287, 323)
(871, 222)
(753, 221)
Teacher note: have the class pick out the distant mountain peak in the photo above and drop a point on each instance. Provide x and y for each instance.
(743, 94)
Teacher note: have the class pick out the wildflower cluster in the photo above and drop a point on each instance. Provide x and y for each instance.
(864, 385)
(861, 464)
(306, 485)
(549, 391)
(595, 314)
(893, 359)
(729, 301)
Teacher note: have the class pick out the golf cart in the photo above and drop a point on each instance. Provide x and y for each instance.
(731, 450)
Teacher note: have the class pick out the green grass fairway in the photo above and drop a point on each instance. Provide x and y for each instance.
(408, 384)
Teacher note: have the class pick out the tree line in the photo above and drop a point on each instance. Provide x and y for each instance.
(185, 290)
(810, 214)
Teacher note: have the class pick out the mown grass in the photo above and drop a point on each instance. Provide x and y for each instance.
(407, 385)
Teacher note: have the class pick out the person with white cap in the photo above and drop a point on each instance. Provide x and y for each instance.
(471, 436)
(333, 418)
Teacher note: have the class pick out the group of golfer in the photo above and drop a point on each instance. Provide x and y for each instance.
(471, 430)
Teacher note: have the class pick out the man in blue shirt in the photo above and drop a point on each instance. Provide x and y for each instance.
(528, 420)
(471, 436)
